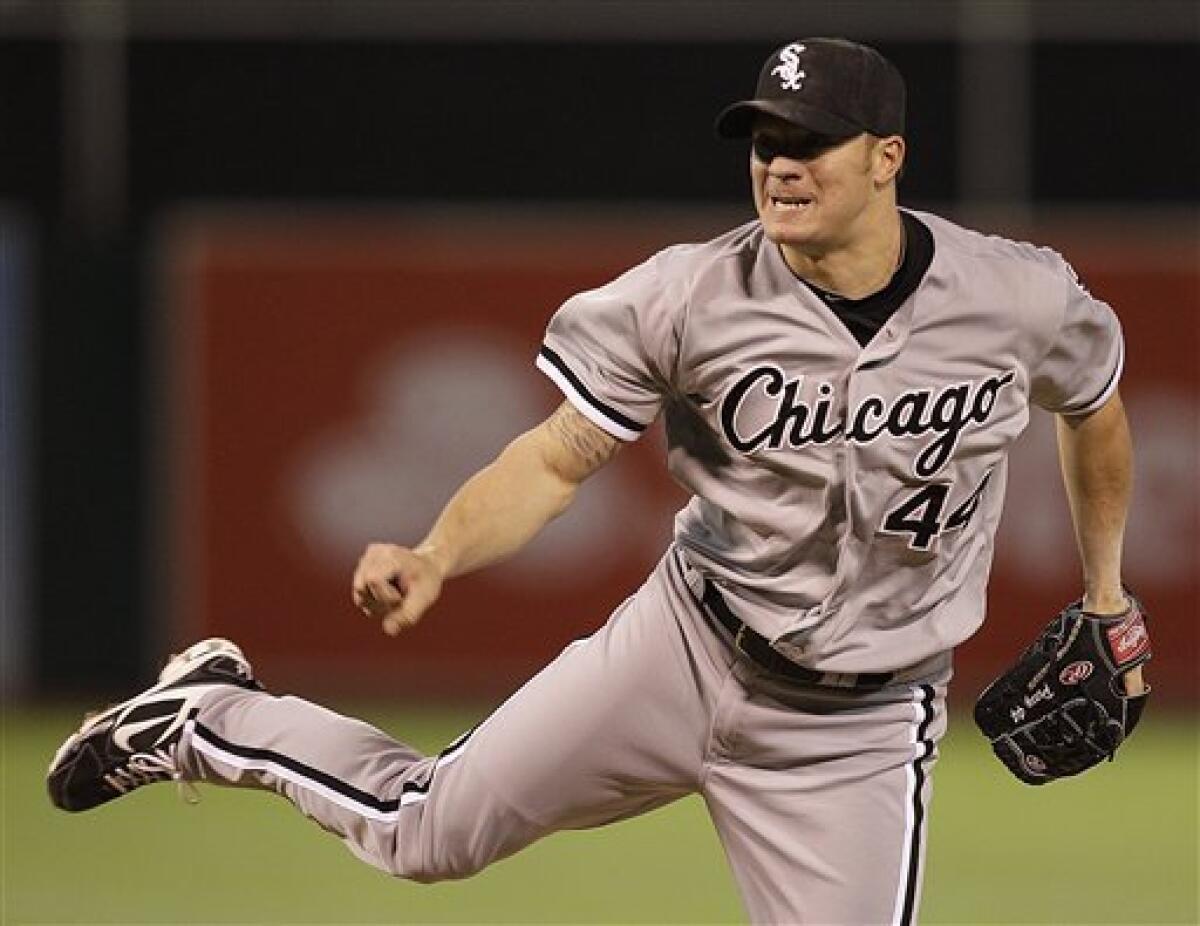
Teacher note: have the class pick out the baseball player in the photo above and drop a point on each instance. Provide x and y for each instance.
(840, 381)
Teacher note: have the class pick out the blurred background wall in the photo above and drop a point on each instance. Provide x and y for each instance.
(272, 275)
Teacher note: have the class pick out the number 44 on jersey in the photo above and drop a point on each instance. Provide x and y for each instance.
(919, 516)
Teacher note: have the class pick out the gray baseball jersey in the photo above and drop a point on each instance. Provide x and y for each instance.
(845, 500)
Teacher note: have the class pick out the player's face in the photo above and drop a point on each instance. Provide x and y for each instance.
(814, 192)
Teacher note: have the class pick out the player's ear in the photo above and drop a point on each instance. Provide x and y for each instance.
(887, 159)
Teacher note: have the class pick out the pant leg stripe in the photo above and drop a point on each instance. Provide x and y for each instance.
(414, 792)
(455, 749)
(915, 812)
(250, 759)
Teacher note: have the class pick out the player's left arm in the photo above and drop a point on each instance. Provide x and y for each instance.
(1096, 455)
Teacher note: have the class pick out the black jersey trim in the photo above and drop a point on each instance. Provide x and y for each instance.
(604, 408)
(924, 752)
(1091, 404)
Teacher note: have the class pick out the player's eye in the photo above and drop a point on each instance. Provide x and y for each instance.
(765, 149)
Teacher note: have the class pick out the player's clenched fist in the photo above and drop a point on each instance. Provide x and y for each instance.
(395, 585)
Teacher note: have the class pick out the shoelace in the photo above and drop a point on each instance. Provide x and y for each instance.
(145, 768)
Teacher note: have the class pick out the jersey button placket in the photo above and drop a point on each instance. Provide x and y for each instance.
(861, 382)
(858, 385)
(841, 508)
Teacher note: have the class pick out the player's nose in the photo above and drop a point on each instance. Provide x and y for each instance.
(784, 168)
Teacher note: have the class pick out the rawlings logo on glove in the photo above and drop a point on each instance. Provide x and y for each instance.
(1063, 707)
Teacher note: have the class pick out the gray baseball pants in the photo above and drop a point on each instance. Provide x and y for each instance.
(819, 794)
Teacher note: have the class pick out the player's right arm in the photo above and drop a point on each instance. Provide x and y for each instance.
(492, 516)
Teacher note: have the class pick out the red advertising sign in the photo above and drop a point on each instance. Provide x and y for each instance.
(334, 379)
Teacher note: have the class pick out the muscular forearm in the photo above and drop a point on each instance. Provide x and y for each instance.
(498, 510)
(1097, 464)
(494, 514)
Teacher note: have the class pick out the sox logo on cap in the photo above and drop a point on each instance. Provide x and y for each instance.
(789, 71)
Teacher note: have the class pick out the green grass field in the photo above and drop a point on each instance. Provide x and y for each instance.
(1116, 846)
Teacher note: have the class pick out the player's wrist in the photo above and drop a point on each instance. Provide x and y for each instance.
(436, 557)
(1105, 600)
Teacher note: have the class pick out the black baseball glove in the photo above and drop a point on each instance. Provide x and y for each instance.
(1063, 708)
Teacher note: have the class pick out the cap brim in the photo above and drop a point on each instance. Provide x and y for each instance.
(737, 120)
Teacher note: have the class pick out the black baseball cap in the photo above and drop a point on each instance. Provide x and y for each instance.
(829, 86)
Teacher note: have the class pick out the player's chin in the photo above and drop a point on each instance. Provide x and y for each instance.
(789, 228)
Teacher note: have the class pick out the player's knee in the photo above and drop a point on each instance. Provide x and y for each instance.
(433, 867)
(433, 874)
(448, 852)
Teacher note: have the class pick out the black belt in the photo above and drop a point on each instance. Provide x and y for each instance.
(758, 649)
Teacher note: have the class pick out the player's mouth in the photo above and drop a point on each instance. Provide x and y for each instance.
(789, 203)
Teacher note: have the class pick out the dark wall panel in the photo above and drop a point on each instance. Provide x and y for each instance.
(468, 121)
(30, 122)
(1117, 123)
(89, 469)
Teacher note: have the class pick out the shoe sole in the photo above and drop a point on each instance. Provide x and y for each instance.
(176, 668)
